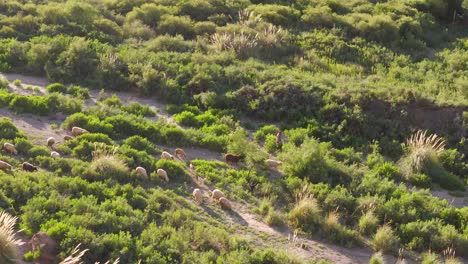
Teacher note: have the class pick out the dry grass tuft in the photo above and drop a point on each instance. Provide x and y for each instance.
(8, 243)
(248, 18)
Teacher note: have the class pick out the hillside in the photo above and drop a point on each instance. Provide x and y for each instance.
(371, 97)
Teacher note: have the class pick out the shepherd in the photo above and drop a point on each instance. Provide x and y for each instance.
(279, 140)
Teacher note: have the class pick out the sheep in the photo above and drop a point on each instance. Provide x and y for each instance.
(29, 167)
(162, 174)
(224, 203)
(76, 131)
(180, 153)
(141, 171)
(166, 155)
(67, 137)
(5, 166)
(216, 194)
(50, 141)
(55, 154)
(232, 158)
(273, 163)
(197, 195)
(10, 148)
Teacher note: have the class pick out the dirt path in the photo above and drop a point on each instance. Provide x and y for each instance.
(459, 202)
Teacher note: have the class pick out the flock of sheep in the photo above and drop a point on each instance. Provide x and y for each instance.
(217, 195)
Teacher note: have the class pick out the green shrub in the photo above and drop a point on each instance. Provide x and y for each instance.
(175, 171)
(78, 91)
(37, 151)
(306, 215)
(377, 258)
(261, 133)
(141, 143)
(187, 119)
(56, 88)
(420, 180)
(8, 130)
(32, 255)
(335, 232)
(368, 223)
(430, 258)
(23, 145)
(270, 144)
(385, 240)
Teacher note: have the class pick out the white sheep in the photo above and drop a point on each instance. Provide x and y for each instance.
(216, 194)
(162, 174)
(141, 171)
(5, 165)
(76, 131)
(273, 163)
(10, 148)
(55, 154)
(197, 195)
(50, 141)
(166, 155)
(224, 203)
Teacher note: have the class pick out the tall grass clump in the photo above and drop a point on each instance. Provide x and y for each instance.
(385, 239)
(8, 243)
(107, 165)
(368, 223)
(377, 258)
(430, 258)
(423, 153)
(306, 215)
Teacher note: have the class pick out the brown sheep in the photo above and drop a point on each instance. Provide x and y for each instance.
(10, 148)
(5, 166)
(232, 158)
(29, 167)
(216, 194)
(141, 171)
(162, 174)
(50, 141)
(76, 131)
(224, 203)
(67, 137)
(47, 246)
(55, 154)
(197, 195)
(180, 153)
(273, 163)
(166, 155)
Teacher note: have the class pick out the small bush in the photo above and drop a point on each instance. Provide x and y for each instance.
(368, 223)
(175, 171)
(261, 134)
(23, 145)
(377, 258)
(420, 180)
(187, 119)
(17, 82)
(8, 130)
(270, 144)
(385, 240)
(56, 88)
(306, 215)
(39, 151)
(430, 258)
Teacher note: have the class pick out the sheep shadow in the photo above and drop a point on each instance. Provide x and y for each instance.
(234, 216)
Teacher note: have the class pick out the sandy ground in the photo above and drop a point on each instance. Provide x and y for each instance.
(40, 128)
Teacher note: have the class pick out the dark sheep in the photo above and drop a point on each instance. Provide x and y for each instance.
(232, 158)
(29, 167)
